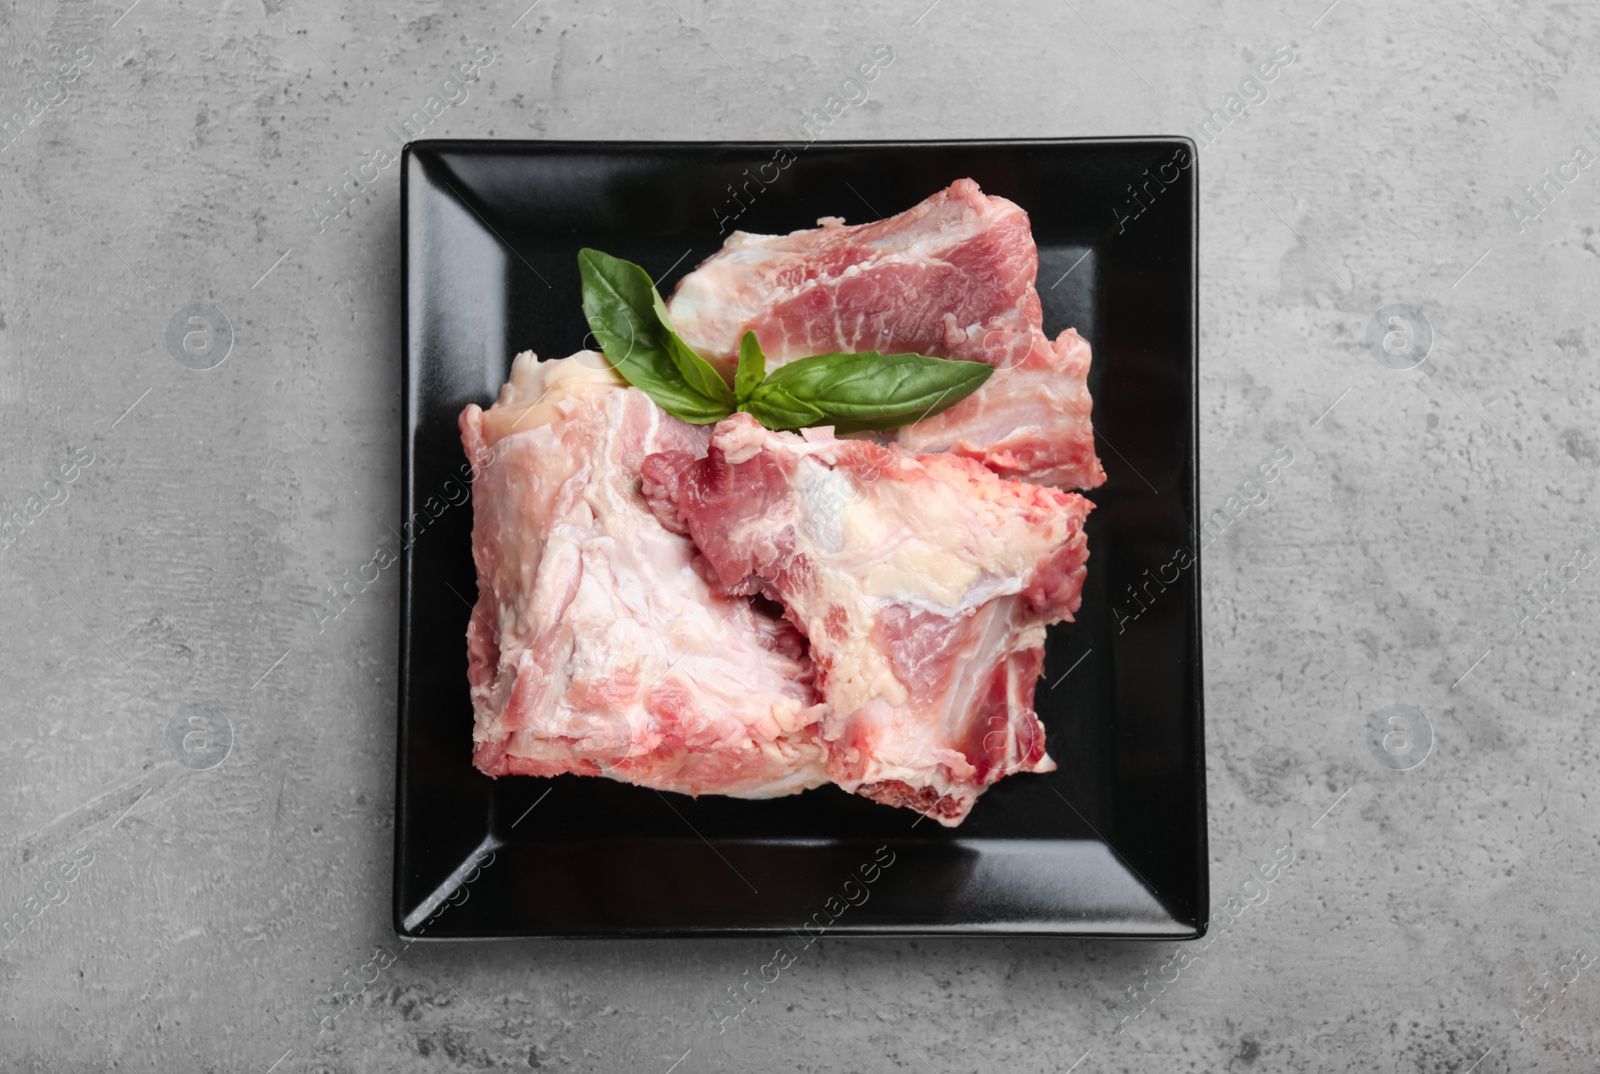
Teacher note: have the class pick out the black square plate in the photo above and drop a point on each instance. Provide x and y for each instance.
(1111, 844)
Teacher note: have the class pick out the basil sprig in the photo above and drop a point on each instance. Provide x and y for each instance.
(851, 392)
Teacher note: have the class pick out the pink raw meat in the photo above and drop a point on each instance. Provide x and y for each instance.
(595, 647)
(923, 583)
(952, 277)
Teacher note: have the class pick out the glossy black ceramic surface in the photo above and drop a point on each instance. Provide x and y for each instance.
(1112, 843)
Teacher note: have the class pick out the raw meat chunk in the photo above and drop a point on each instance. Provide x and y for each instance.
(952, 277)
(923, 583)
(595, 647)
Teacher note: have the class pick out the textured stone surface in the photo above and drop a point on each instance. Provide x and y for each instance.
(179, 577)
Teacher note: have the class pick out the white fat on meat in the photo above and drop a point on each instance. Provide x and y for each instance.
(923, 586)
(595, 646)
(952, 277)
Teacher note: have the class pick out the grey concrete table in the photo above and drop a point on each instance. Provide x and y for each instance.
(170, 532)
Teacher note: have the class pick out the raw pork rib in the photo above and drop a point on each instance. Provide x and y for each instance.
(924, 585)
(595, 647)
(952, 277)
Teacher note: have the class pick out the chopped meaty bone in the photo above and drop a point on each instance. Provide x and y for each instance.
(952, 277)
(923, 583)
(595, 647)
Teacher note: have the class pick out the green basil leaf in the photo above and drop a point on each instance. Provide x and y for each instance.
(629, 321)
(777, 409)
(868, 390)
(698, 373)
(752, 367)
